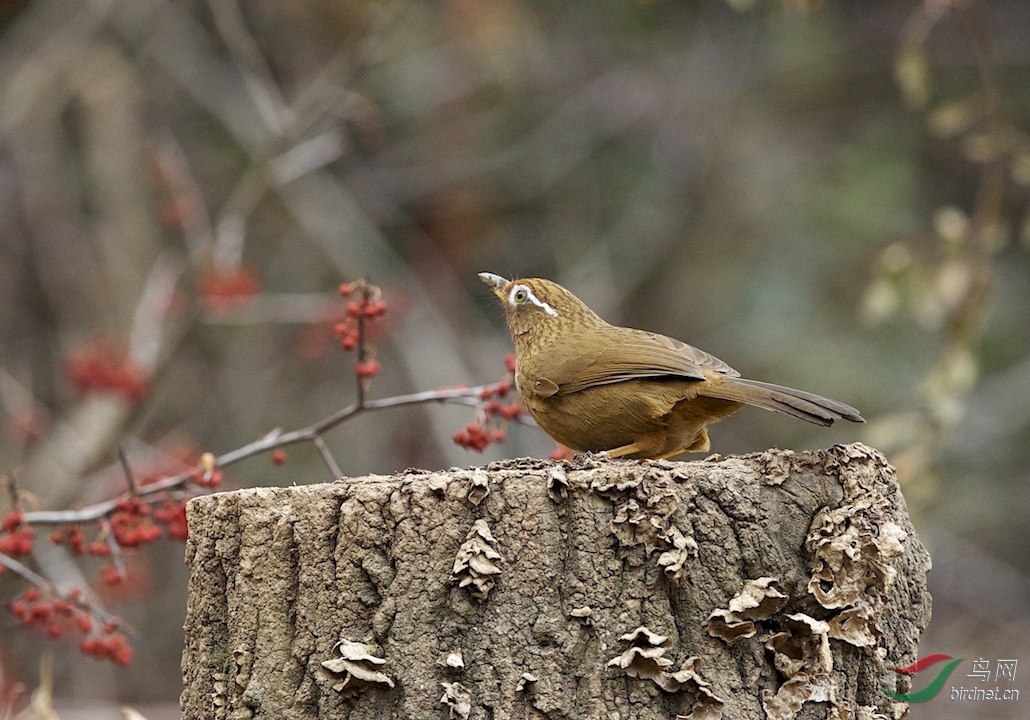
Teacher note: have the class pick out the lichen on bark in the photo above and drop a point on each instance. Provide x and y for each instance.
(812, 550)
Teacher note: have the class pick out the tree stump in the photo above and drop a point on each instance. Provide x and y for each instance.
(775, 585)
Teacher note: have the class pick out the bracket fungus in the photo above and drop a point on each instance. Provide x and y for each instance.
(557, 484)
(525, 680)
(453, 660)
(643, 658)
(683, 547)
(474, 564)
(584, 614)
(801, 653)
(354, 670)
(458, 700)
(479, 486)
(853, 555)
(758, 600)
(707, 705)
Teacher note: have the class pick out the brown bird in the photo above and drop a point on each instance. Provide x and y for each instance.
(593, 386)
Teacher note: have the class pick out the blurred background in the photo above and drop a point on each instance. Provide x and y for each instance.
(828, 195)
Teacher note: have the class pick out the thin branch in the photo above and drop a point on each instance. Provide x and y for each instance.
(130, 477)
(115, 550)
(182, 187)
(468, 396)
(24, 571)
(366, 292)
(253, 66)
(327, 456)
(41, 582)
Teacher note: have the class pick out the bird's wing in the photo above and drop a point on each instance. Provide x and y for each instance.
(634, 354)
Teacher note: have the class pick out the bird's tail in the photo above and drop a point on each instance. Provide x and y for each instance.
(797, 403)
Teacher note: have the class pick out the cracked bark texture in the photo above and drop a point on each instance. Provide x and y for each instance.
(583, 589)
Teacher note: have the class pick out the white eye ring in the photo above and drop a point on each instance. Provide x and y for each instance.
(520, 295)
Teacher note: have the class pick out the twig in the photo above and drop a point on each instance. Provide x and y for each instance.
(41, 582)
(129, 476)
(27, 573)
(327, 456)
(468, 396)
(366, 293)
(114, 550)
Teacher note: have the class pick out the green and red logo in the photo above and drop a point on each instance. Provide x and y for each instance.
(935, 685)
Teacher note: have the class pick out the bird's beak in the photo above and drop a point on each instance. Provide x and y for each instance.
(496, 283)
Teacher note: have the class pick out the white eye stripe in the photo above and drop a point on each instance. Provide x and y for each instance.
(529, 297)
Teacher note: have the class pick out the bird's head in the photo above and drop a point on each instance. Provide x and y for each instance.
(534, 306)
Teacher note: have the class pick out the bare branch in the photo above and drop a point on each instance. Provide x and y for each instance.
(327, 456)
(469, 396)
(129, 476)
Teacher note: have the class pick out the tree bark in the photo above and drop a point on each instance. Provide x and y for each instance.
(775, 585)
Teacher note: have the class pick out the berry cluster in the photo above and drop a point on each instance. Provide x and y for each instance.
(131, 524)
(492, 415)
(366, 307)
(58, 615)
(222, 291)
(15, 536)
(172, 514)
(110, 646)
(73, 535)
(101, 367)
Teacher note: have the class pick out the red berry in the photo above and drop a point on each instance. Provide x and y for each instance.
(367, 369)
(23, 542)
(375, 309)
(279, 457)
(118, 649)
(42, 611)
(11, 521)
(225, 290)
(84, 622)
(110, 576)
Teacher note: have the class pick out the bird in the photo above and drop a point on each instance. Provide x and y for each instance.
(597, 387)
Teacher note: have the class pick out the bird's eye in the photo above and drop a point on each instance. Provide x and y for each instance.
(520, 295)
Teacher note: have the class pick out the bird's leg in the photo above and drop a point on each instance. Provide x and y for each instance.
(701, 444)
(646, 447)
(621, 451)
